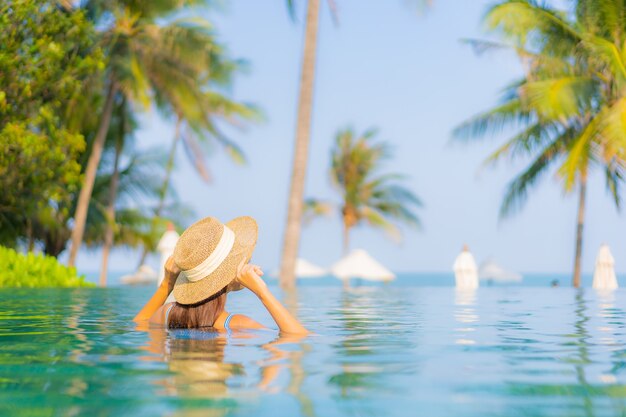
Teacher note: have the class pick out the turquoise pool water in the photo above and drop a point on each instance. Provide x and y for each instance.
(377, 351)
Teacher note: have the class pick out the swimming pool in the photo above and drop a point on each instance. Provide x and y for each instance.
(377, 351)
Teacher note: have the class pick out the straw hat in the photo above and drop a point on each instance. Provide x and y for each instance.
(208, 254)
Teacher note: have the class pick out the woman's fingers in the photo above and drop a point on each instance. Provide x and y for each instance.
(240, 267)
(245, 270)
(171, 267)
(257, 269)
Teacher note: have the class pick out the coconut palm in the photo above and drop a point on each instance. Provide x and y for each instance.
(199, 127)
(139, 178)
(367, 196)
(296, 204)
(151, 52)
(196, 125)
(139, 175)
(124, 127)
(291, 241)
(566, 107)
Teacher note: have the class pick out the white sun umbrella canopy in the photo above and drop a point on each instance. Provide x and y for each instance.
(491, 271)
(604, 275)
(144, 275)
(359, 264)
(166, 249)
(306, 269)
(465, 270)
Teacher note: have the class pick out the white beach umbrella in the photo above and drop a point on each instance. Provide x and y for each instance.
(465, 271)
(359, 264)
(490, 270)
(166, 249)
(144, 275)
(306, 269)
(604, 275)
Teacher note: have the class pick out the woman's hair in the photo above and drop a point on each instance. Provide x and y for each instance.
(202, 314)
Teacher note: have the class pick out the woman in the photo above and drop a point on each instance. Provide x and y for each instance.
(210, 260)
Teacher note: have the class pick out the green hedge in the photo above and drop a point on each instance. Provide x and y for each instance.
(35, 271)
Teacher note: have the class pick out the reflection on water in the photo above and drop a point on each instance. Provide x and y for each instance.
(200, 371)
(465, 314)
(393, 351)
(371, 327)
(196, 359)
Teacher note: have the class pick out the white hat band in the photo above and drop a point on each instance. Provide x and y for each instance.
(215, 259)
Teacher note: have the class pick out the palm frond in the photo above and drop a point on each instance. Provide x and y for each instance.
(579, 155)
(517, 190)
(314, 208)
(569, 106)
(605, 54)
(558, 98)
(532, 26)
(524, 143)
(367, 195)
(378, 220)
(614, 176)
(602, 17)
(510, 114)
(196, 156)
(291, 9)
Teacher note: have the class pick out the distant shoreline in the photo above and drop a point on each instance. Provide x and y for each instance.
(412, 279)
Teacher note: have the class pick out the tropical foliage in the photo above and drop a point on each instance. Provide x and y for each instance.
(569, 107)
(139, 182)
(198, 124)
(32, 271)
(48, 57)
(367, 195)
(73, 76)
(156, 55)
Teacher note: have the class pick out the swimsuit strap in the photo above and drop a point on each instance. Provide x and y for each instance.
(227, 322)
(167, 315)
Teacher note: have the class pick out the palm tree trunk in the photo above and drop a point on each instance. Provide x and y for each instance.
(80, 217)
(346, 238)
(166, 183)
(55, 242)
(108, 234)
(29, 235)
(291, 239)
(579, 229)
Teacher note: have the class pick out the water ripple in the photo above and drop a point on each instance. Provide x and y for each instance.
(375, 351)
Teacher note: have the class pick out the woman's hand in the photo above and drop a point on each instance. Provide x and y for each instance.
(171, 274)
(249, 276)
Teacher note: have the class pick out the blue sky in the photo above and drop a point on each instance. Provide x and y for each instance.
(411, 77)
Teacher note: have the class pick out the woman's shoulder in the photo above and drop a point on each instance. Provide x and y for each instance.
(160, 315)
(239, 321)
(236, 321)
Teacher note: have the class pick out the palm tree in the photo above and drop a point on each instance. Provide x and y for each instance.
(139, 175)
(291, 241)
(295, 209)
(122, 126)
(565, 108)
(366, 195)
(139, 179)
(206, 109)
(197, 120)
(110, 212)
(150, 52)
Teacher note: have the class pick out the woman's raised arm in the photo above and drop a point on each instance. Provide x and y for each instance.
(162, 292)
(250, 277)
